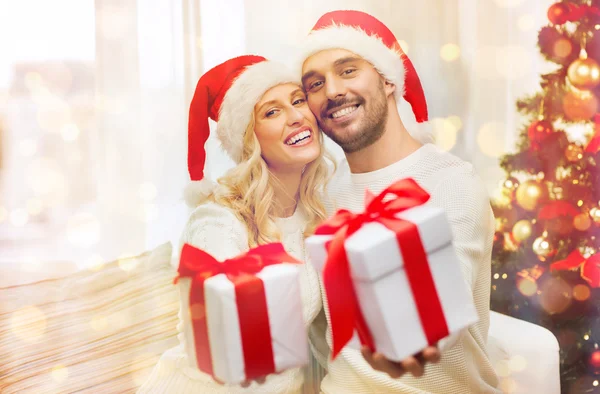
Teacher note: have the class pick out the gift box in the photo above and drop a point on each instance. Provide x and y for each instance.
(242, 318)
(391, 274)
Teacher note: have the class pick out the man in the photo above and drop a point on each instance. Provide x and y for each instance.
(355, 74)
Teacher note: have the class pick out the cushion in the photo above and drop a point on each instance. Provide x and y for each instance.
(94, 331)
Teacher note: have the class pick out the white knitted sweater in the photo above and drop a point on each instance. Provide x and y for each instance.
(454, 186)
(219, 232)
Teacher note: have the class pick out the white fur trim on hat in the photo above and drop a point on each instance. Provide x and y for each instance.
(386, 61)
(196, 192)
(240, 99)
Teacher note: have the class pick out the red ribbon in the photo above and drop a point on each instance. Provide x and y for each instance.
(344, 308)
(594, 145)
(590, 267)
(250, 299)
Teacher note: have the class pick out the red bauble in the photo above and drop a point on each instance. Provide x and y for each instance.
(595, 359)
(558, 13)
(538, 132)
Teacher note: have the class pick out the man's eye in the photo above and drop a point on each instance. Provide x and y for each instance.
(316, 84)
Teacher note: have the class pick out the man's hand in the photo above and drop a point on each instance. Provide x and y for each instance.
(415, 364)
(246, 383)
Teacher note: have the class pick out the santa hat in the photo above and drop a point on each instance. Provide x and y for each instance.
(369, 38)
(227, 94)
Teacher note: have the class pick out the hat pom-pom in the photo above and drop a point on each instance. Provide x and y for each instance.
(196, 192)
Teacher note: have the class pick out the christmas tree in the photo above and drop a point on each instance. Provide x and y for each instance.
(546, 261)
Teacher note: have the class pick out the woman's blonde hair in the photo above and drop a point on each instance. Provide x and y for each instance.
(247, 189)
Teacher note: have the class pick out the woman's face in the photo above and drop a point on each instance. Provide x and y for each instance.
(286, 129)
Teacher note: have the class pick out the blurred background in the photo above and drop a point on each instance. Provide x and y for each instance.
(94, 98)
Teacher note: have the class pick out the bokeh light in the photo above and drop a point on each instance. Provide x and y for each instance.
(94, 262)
(3, 214)
(70, 132)
(127, 262)
(518, 363)
(59, 373)
(556, 295)
(47, 181)
(99, 323)
(508, 385)
(581, 292)
(445, 133)
(527, 286)
(34, 206)
(450, 52)
(29, 324)
(83, 230)
(503, 368)
(490, 139)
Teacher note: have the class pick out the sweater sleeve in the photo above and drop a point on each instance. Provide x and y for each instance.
(217, 231)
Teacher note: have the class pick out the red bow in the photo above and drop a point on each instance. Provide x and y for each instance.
(344, 309)
(590, 267)
(250, 299)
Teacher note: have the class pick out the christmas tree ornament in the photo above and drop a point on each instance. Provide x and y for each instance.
(556, 295)
(582, 222)
(595, 359)
(522, 230)
(538, 131)
(543, 248)
(595, 215)
(584, 73)
(579, 105)
(558, 13)
(500, 224)
(511, 184)
(573, 152)
(527, 280)
(530, 194)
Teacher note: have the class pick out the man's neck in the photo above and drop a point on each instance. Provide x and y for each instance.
(394, 145)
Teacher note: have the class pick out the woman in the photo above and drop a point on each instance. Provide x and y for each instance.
(265, 125)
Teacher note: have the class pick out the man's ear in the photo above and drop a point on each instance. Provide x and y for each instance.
(389, 88)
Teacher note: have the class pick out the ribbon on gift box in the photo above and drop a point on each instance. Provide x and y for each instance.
(250, 300)
(344, 308)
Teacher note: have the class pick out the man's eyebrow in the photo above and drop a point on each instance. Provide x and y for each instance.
(308, 75)
(337, 63)
(344, 60)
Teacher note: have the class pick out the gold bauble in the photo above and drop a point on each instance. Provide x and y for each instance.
(530, 194)
(573, 152)
(582, 222)
(500, 224)
(595, 215)
(543, 248)
(584, 74)
(522, 230)
(580, 105)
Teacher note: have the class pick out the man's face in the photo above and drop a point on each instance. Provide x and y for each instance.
(348, 97)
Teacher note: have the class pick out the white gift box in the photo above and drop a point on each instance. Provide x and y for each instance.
(286, 322)
(382, 287)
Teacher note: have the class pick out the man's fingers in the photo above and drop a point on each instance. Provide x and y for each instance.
(432, 354)
(245, 383)
(262, 380)
(395, 370)
(412, 365)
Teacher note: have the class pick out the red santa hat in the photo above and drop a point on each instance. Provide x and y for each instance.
(227, 94)
(369, 38)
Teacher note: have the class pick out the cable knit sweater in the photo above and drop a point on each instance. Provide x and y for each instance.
(218, 231)
(454, 186)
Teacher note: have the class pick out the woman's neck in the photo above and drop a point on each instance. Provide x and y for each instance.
(285, 189)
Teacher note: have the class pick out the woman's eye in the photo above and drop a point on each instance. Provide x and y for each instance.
(299, 101)
(271, 113)
(349, 71)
